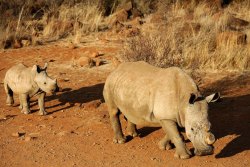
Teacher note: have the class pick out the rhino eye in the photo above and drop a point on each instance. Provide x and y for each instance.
(45, 83)
(192, 129)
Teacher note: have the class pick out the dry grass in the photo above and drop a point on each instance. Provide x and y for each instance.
(185, 36)
(49, 20)
(192, 43)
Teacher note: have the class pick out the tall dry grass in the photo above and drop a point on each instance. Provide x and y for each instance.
(191, 43)
(50, 20)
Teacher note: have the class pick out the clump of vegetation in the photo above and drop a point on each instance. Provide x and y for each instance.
(192, 34)
(197, 37)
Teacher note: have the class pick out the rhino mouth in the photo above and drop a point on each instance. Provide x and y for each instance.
(208, 151)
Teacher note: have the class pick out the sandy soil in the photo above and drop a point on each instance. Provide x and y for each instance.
(77, 131)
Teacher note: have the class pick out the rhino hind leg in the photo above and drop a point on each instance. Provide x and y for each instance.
(116, 124)
(9, 93)
(164, 143)
(131, 129)
(171, 129)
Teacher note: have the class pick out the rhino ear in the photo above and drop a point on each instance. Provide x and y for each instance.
(213, 97)
(192, 98)
(36, 69)
(45, 66)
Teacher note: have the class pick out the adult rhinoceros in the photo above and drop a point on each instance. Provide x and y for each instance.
(159, 97)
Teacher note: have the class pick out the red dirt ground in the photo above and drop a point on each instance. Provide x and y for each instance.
(77, 131)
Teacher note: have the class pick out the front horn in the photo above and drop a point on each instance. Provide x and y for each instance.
(210, 139)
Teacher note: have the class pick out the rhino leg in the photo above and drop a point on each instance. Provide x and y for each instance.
(41, 104)
(164, 143)
(116, 124)
(24, 101)
(21, 105)
(9, 93)
(131, 128)
(171, 129)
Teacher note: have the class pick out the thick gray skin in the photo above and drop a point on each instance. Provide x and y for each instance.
(167, 98)
(27, 82)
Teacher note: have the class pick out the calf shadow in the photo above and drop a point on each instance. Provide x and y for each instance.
(78, 96)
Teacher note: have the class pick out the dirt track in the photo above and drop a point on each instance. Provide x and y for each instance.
(77, 131)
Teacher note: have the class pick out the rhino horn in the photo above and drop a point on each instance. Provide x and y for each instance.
(210, 139)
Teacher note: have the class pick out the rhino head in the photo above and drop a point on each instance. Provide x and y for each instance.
(197, 124)
(43, 81)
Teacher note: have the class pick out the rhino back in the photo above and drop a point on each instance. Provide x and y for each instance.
(20, 79)
(147, 94)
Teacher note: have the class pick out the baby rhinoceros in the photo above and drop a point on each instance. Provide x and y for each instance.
(158, 97)
(27, 82)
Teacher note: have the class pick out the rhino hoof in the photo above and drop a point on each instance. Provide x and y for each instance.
(166, 146)
(119, 141)
(26, 111)
(183, 156)
(9, 104)
(42, 113)
(133, 134)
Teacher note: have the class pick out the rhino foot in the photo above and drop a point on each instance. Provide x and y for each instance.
(133, 134)
(25, 111)
(119, 140)
(42, 113)
(165, 146)
(20, 107)
(9, 102)
(183, 155)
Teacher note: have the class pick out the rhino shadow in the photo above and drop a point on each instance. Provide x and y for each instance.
(78, 96)
(231, 116)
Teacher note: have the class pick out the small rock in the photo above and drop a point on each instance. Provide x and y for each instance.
(17, 44)
(237, 24)
(92, 105)
(98, 62)
(127, 6)
(25, 42)
(94, 55)
(115, 61)
(52, 117)
(71, 45)
(229, 38)
(17, 134)
(34, 135)
(42, 126)
(66, 79)
(85, 61)
(27, 138)
(64, 133)
(3, 117)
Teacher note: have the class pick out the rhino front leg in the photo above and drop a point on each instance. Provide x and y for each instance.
(131, 128)
(164, 144)
(171, 129)
(9, 93)
(116, 124)
(41, 104)
(24, 102)
(21, 105)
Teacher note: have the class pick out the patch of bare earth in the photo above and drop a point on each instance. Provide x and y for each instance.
(77, 131)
